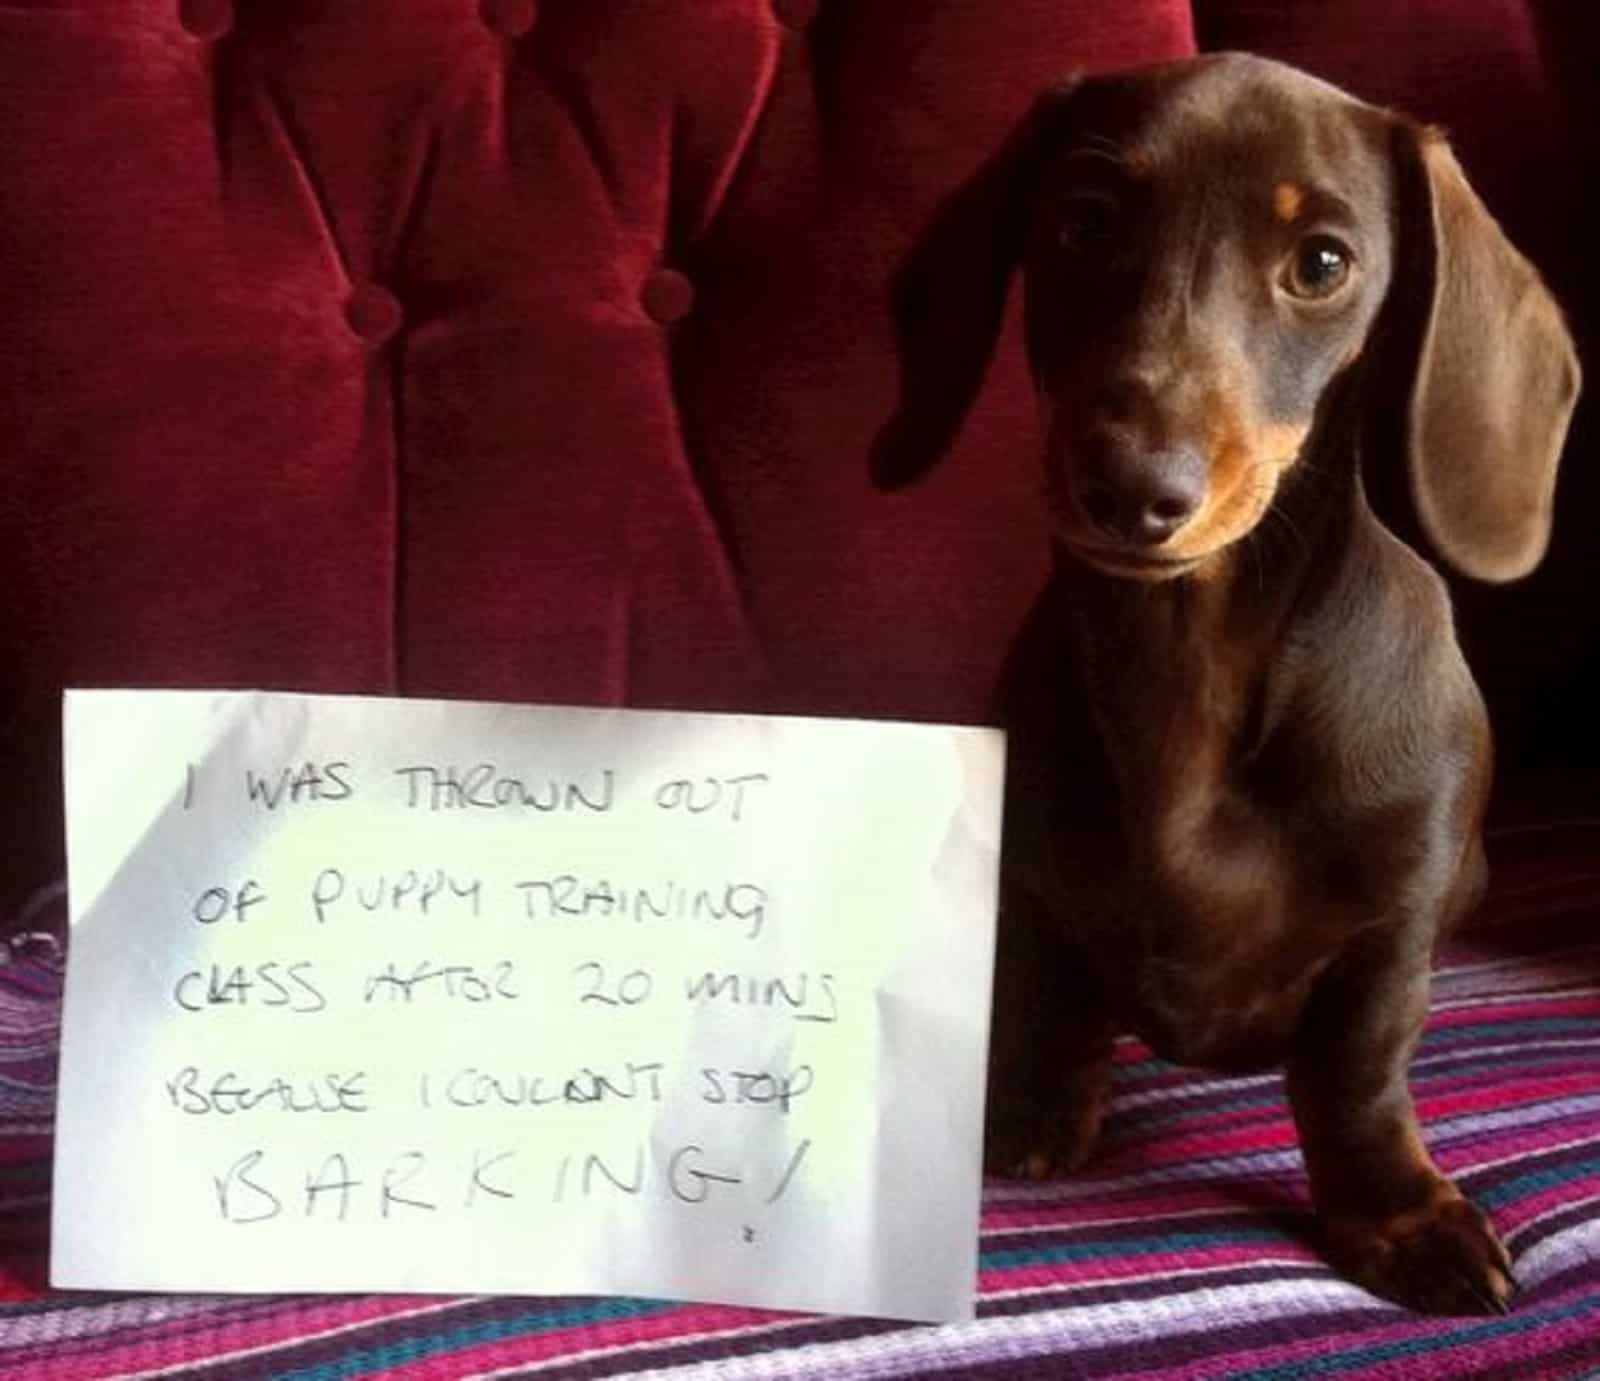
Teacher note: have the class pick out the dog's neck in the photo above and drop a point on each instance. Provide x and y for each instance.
(1189, 676)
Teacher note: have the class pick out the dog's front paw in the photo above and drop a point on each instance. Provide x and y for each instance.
(1026, 1142)
(1443, 1258)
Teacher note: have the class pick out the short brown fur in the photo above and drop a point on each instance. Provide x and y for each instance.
(1248, 764)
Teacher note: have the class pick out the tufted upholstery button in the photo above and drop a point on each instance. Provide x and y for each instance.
(206, 19)
(373, 312)
(796, 14)
(667, 296)
(509, 18)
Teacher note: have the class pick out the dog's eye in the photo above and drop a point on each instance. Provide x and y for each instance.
(1319, 268)
(1088, 218)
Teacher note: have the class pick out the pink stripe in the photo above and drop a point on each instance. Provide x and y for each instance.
(1164, 1202)
(1433, 1085)
(698, 1323)
(1478, 1149)
(22, 1280)
(1583, 1005)
(193, 1338)
(1122, 1266)
(1509, 1144)
(1185, 1145)
(1439, 1097)
(1150, 1200)
(1267, 1127)
(1512, 1093)
(1176, 1078)
(1162, 1123)
(19, 1150)
(1520, 1211)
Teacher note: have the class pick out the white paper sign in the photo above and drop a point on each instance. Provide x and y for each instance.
(371, 994)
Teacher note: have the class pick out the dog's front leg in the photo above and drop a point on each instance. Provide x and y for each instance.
(1049, 1052)
(1393, 1222)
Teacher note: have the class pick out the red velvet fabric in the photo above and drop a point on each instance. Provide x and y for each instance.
(1513, 84)
(533, 350)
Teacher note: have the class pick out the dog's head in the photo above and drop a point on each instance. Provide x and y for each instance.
(1207, 246)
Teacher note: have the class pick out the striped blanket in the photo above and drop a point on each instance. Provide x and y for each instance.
(1185, 1252)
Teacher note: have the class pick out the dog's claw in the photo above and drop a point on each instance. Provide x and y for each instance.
(1441, 1259)
(1491, 1303)
(1025, 1141)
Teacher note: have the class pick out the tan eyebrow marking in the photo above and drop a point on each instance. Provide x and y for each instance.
(1287, 199)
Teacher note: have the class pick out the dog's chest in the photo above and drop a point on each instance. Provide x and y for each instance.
(1201, 881)
(1213, 925)
(1223, 924)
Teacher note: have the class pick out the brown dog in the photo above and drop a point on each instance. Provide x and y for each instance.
(1248, 763)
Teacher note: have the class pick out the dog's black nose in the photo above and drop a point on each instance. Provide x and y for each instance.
(1136, 495)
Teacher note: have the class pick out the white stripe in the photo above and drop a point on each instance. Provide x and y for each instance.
(1180, 1095)
(1522, 999)
(1190, 1273)
(1551, 1212)
(77, 1323)
(1265, 1164)
(1465, 1053)
(1055, 1331)
(1579, 1245)
(1269, 1163)
(1068, 1330)
(1480, 1166)
(1031, 1230)
(1534, 962)
(567, 1359)
(1064, 1329)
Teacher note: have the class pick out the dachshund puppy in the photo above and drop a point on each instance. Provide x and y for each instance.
(1248, 762)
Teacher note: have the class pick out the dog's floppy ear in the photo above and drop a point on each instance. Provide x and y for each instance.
(948, 297)
(1496, 377)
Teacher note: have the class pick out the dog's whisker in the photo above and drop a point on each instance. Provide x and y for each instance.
(1277, 521)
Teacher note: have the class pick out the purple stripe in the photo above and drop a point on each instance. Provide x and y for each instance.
(1551, 1161)
(1576, 1356)
(1338, 1332)
(1160, 1122)
(353, 1336)
(1247, 1222)
(710, 1349)
(1163, 1286)
(1553, 1225)
(1060, 1329)
(180, 1317)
